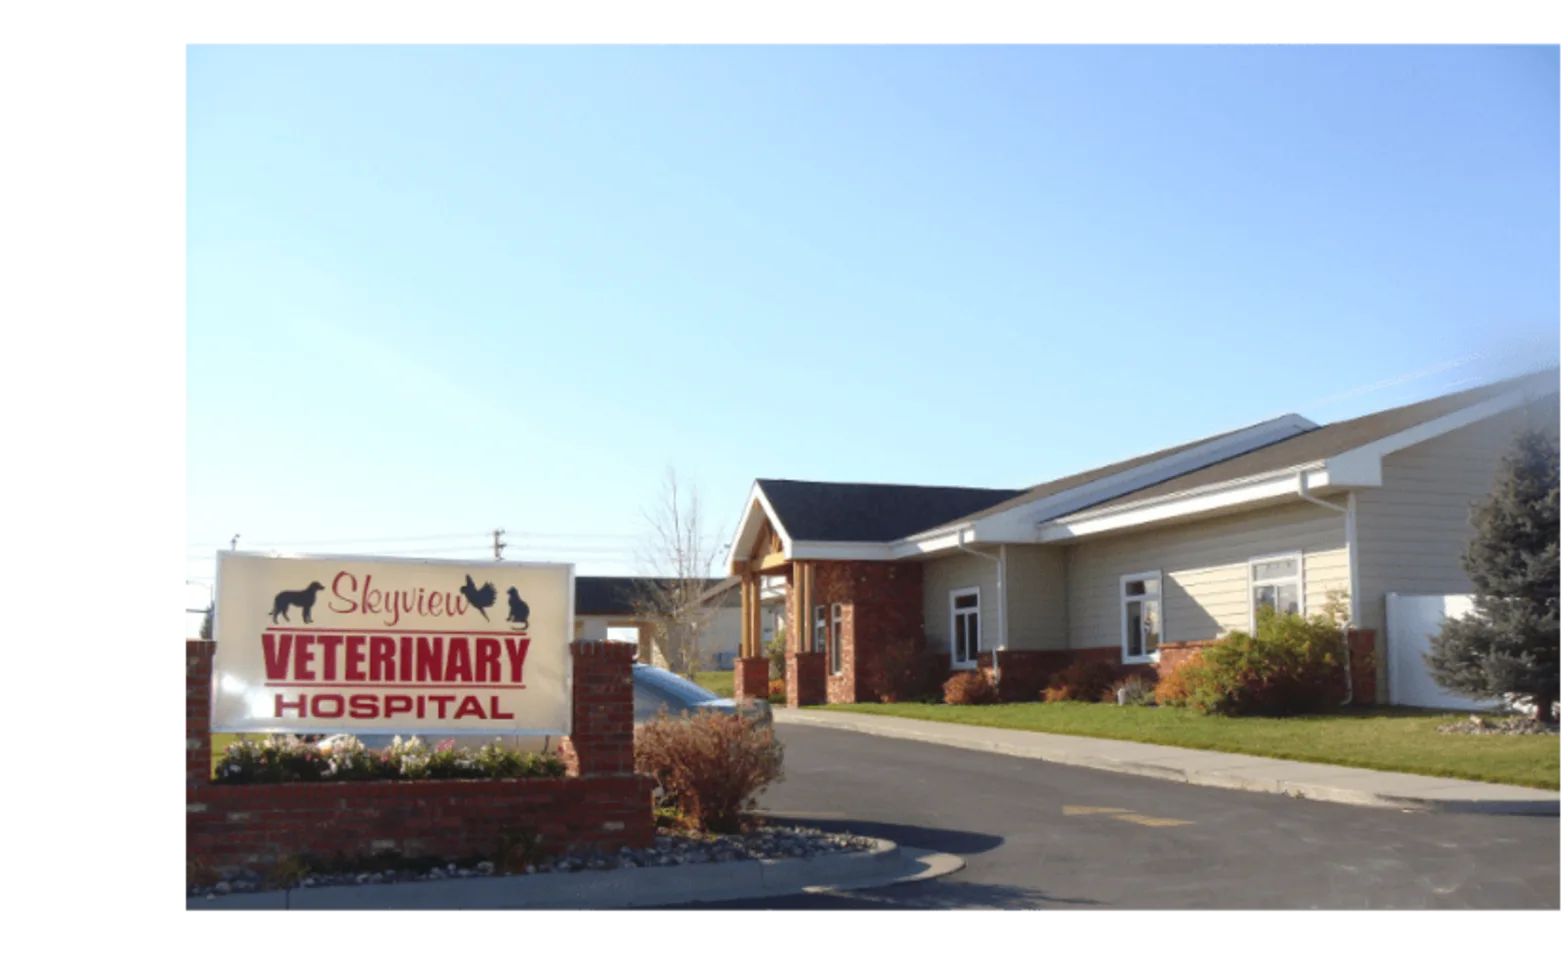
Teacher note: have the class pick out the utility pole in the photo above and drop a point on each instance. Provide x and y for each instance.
(234, 543)
(499, 545)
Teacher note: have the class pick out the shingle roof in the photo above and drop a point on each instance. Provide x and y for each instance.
(870, 512)
(1320, 443)
(1063, 484)
(611, 596)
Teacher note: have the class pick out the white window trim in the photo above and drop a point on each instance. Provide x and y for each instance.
(977, 612)
(1303, 593)
(1124, 625)
(818, 638)
(833, 650)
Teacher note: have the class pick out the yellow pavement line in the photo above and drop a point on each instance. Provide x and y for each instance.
(1088, 811)
(1152, 821)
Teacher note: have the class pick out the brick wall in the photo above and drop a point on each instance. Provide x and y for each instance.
(751, 678)
(602, 805)
(806, 680)
(882, 605)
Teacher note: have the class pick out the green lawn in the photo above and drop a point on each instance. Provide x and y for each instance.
(1381, 739)
(719, 682)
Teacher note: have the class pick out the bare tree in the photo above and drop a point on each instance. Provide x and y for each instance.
(676, 560)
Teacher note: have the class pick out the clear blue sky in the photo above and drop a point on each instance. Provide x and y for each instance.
(433, 291)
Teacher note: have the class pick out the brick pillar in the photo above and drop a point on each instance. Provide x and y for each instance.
(805, 678)
(1364, 668)
(602, 721)
(198, 712)
(751, 678)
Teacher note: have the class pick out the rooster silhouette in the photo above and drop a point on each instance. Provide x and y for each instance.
(481, 598)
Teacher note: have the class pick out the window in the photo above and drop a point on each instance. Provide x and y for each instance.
(836, 638)
(1140, 615)
(1275, 582)
(819, 638)
(965, 627)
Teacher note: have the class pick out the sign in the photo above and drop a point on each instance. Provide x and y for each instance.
(369, 644)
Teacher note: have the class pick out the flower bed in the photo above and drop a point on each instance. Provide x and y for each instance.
(342, 758)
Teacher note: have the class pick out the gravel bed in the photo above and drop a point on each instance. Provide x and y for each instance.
(1504, 726)
(669, 849)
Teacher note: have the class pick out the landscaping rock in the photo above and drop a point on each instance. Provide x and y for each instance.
(1501, 726)
(762, 843)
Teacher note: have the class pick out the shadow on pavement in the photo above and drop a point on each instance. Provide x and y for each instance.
(940, 894)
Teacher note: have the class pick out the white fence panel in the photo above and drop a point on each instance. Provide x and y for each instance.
(1410, 621)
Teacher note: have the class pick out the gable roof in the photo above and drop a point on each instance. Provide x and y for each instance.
(1322, 442)
(613, 596)
(870, 512)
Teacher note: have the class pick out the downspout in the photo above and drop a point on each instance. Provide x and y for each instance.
(1000, 595)
(1351, 511)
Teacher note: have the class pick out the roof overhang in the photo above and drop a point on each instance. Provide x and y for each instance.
(757, 510)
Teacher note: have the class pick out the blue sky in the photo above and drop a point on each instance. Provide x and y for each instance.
(432, 291)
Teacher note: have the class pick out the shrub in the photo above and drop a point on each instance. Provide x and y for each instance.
(709, 766)
(1137, 691)
(1079, 681)
(900, 672)
(776, 653)
(287, 759)
(1173, 689)
(970, 688)
(776, 691)
(1290, 665)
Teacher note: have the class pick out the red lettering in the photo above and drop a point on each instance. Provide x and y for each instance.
(276, 650)
(299, 705)
(371, 596)
(382, 658)
(494, 710)
(326, 699)
(420, 708)
(436, 604)
(470, 706)
(516, 652)
(336, 588)
(458, 663)
(440, 701)
(396, 703)
(355, 660)
(461, 605)
(404, 606)
(488, 659)
(303, 656)
(431, 665)
(330, 643)
(404, 663)
(363, 707)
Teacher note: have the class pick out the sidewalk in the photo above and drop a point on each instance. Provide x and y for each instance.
(1313, 781)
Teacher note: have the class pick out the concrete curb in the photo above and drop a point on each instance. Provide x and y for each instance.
(610, 889)
(1438, 795)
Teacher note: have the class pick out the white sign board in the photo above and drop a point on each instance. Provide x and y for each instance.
(362, 644)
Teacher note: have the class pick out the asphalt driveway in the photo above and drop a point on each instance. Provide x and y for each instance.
(1039, 835)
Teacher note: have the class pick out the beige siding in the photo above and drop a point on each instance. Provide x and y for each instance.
(956, 572)
(1205, 570)
(1036, 604)
(1413, 529)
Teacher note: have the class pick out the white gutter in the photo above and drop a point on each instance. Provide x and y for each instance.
(1351, 511)
(1000, 561)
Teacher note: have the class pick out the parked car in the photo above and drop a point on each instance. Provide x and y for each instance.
(655, 689)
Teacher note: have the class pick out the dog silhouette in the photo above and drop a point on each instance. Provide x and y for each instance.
(518, 609)
(303, 599)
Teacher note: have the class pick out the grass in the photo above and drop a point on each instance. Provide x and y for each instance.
(1379, 739)
(719, 682)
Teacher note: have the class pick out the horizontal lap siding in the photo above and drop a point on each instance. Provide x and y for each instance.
(1036, 599)
(1413, 529)
(956, 572)
(1204, 566)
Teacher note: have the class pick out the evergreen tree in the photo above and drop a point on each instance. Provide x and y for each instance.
(1509, 643)
(206, 624)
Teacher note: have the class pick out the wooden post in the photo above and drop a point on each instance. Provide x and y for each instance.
(756, 650)
(744, 602)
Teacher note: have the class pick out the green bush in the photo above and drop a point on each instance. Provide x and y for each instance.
(288, 759)
(1291, 665)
